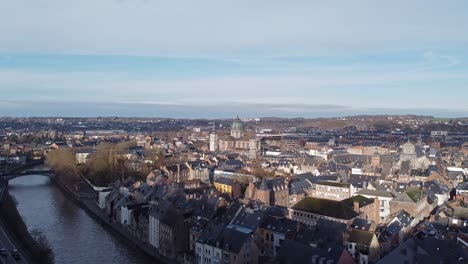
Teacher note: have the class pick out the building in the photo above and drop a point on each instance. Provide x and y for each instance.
(413, 201)
(238, 141)
(198, 170)
(169, 230)
(310, 210)
(369, 208)
(82, 155)
(272, 233)
(363, 246)
(273, 192)
(214, 140)
(384, 199)
(228, 185)
(337, 191)
(233, 243)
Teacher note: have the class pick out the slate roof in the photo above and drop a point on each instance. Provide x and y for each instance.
(428, 250)
(330, 208)
(279, 225)
(299, 187)
(292, 252)
(268, 184)
(225, 181)
(232, 240)
(436, 187)
(247, 220)
(334, 184)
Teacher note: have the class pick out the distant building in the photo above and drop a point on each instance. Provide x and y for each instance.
(82, 155)
(238, 141)
(439, 134)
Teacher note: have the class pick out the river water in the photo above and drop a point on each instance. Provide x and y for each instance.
(75, 236)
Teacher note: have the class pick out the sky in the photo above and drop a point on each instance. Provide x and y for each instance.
(216, 59)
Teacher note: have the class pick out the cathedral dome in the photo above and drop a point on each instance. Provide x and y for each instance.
(237, 124)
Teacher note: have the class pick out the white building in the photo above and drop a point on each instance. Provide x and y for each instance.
(102, 198)
(126, 215)
(384, 199)
(82, 155)
(153, 232)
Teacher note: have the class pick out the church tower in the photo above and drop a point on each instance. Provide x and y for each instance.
(214, 141)
(237, 129)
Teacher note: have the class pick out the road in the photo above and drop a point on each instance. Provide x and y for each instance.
(6, 243)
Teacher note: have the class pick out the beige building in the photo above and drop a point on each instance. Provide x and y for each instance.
(337, 191)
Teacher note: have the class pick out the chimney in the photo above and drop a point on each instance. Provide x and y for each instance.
(356, 206)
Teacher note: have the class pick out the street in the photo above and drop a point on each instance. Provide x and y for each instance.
(6, 243)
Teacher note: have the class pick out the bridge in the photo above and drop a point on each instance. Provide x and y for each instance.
(10, 176)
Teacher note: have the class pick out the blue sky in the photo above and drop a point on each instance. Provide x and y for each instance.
(221, 58)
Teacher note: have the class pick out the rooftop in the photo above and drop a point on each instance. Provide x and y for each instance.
(330, 208)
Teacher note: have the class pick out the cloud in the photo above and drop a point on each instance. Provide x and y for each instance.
(220, 28)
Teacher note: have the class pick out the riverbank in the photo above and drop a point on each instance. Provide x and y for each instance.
(87, 202)
(16, 229)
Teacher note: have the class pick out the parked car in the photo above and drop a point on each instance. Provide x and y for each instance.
(3, 252)
(15, 254)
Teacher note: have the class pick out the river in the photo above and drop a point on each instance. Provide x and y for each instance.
(75, 236)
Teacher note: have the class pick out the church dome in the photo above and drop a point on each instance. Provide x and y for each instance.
(237, 124)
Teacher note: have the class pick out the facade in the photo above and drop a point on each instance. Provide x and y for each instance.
(214, 140)
(272, 232)
(337, 191)
(369, 208)
(153, 233)
(82, 155)
(229, 186)
(198, 170)
(363, 246)
(273, 192)
(168, 230)
(384, 199)
(231, 243)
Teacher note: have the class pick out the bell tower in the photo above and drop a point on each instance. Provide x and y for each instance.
(214, 141)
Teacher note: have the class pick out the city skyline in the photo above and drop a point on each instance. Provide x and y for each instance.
(216, 60)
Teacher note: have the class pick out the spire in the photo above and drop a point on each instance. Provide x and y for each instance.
(214, 126)
(263, 185)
